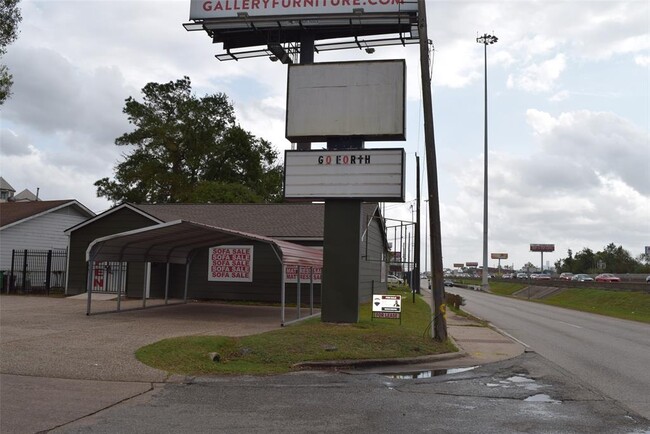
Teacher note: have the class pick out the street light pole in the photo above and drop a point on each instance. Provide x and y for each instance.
(485, 40)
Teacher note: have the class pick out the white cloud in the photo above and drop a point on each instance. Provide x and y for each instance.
(539, 77)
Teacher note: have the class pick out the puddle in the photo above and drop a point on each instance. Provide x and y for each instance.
(542, 398)
(429, 374)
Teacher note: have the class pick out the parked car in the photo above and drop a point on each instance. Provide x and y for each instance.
(522, 276)
(647, 279)
(508, 276)
(566, 276)
(607, 277)
(543, 277)
(391, 279)
(582, 278)
(449, 282)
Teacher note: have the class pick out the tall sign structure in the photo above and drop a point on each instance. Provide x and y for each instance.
(282, 30)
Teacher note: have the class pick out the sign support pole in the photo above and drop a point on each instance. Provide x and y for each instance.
(439, 323)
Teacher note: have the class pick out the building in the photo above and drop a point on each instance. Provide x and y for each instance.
(298, 223)
(37, 225)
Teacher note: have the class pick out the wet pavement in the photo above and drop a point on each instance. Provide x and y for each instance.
(65, 371)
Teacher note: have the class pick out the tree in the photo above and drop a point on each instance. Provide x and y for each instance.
(189, 149)
(617, 259)
(9, 19)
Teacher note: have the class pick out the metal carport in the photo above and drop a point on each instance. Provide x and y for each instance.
(176, 242)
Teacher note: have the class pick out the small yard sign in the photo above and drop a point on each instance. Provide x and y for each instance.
(387, 306)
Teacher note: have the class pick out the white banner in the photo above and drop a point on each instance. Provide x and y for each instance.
(230, 264)
(372, 174)
(291, 274)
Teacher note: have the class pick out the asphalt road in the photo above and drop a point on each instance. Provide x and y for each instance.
(526, 394)
(608, 354)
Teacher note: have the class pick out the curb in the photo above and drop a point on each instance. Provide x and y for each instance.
(366, 363)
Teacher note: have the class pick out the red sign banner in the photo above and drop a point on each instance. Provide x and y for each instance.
(230, 264)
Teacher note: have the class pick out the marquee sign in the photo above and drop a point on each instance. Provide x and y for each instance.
(365, 100)
(365, 174)
(230, 264)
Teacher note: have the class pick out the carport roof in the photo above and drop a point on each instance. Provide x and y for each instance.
(174, 241)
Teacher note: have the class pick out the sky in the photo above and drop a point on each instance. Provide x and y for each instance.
(568, 112)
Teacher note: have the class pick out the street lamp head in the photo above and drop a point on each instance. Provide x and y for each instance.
(487, 39)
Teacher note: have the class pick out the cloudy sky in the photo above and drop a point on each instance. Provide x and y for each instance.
(569, 97)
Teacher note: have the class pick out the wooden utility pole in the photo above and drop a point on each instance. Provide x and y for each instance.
(439, 321)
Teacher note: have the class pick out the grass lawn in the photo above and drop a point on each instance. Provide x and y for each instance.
(618, 304)
(277, 351)
(632, 305)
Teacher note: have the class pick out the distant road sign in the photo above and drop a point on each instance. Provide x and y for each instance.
(542, 247)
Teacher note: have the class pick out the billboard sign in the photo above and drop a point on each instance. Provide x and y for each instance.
(211, 9)
(471, 264)
(366, 174)
(365, 100)
(499, 255)
(230, 264)
(542, 247)
(458, 265)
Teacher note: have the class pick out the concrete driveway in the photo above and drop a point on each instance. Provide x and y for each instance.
(58, 365)
(52, 337)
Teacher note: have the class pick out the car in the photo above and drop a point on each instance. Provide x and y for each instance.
(449, 282)
(522, 276)
(566, 276)
(647, 279)
(607, 277)
(543, 277)
(582, 278)
(508, 276)
(391, 279)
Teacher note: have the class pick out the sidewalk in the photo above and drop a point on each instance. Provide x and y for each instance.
(478, 344)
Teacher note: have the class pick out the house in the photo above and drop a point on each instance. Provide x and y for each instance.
(6, 191)
(298, 223)
(37, 225)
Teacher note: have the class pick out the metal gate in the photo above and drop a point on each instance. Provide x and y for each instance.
(108, 277)
(37, 270)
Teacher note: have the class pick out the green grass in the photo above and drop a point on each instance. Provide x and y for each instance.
(279, 350)
(506, 288)
(619, 304)
(632, 305)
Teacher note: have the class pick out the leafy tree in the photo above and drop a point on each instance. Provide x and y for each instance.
(566, 264)
(9, 19)
(189, 149)
(616, 259)
(585, 261)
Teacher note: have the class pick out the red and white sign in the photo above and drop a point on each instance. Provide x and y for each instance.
(542, 247)
(291, 274)
(230, 264)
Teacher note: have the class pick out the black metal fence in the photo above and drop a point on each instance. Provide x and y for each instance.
(108, 276)
(36, 270)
